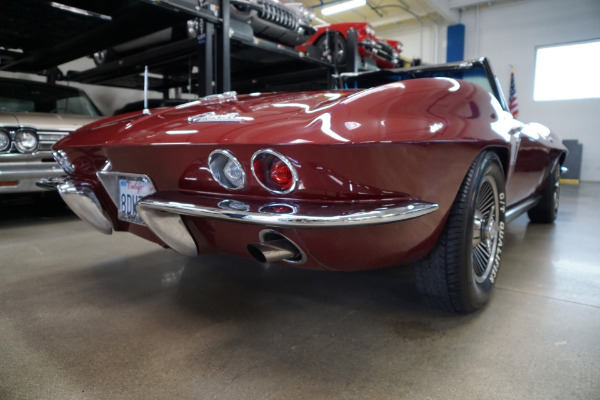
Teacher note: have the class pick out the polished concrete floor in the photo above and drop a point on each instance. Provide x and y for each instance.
(89, 316)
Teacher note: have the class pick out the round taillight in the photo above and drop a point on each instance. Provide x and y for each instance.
(274, 171)
(281, 175)
(227, 170)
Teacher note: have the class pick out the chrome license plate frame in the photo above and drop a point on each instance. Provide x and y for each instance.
(131, 189)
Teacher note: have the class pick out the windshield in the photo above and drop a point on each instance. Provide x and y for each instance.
(476, 75)
(20, 96)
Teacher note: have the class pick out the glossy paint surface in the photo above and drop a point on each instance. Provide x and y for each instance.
(410, 140)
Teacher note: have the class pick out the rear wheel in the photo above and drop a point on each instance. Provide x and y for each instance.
(460, 272)
(546, 209)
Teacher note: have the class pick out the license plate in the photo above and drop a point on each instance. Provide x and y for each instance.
(131, 190)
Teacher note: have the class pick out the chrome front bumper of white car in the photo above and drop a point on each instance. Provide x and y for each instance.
(162, 212)
(21, 177)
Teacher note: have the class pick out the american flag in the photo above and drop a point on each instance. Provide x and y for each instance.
(513, 103)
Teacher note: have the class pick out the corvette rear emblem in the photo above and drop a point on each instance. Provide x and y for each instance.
(214, 117)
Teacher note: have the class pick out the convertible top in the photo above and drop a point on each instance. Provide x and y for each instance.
(477, 71)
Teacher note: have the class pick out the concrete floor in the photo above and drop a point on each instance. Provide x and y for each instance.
(88, 316)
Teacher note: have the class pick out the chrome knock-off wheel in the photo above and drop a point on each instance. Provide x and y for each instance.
(486, 229)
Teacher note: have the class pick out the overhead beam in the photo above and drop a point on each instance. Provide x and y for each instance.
(458, 4)
(444, 9)
(393, 21)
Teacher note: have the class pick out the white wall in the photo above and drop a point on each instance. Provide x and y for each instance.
(425, 40)
(508, 33)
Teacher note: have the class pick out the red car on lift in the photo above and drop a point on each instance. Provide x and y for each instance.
(332, 42)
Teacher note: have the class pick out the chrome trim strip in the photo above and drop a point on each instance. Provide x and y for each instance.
(513, 212)
(18, 157)
(50, 183)
(382, 215)
(35, 171)
(210, 100)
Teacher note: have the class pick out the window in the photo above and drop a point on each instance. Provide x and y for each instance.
(567, 71)
(24, 96)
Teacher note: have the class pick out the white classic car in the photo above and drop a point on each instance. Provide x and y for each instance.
(33, 116)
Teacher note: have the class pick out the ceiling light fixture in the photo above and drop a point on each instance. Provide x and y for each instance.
(345, 6)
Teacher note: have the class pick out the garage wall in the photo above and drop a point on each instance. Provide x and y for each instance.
(508, 32)
(425, 39)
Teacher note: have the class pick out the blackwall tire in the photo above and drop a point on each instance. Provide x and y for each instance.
(459, 273)
(546, 209)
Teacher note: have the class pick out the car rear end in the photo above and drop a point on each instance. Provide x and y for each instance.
(283, 177)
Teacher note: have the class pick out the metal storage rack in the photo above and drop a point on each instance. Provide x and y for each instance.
(226, 56)
(236, 60)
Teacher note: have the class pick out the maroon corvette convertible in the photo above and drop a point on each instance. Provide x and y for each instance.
(424, 168)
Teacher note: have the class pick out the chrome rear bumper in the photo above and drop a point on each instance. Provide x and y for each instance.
(293, 215)
(81, 200)
(162, 212)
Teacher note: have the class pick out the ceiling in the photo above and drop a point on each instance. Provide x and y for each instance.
(383, 13)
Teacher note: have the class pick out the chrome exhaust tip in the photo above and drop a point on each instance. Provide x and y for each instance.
(273, 247)
(273, 250)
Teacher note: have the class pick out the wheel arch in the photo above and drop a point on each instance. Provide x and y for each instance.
(331, 31)
(503, 154)
(562, 158)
